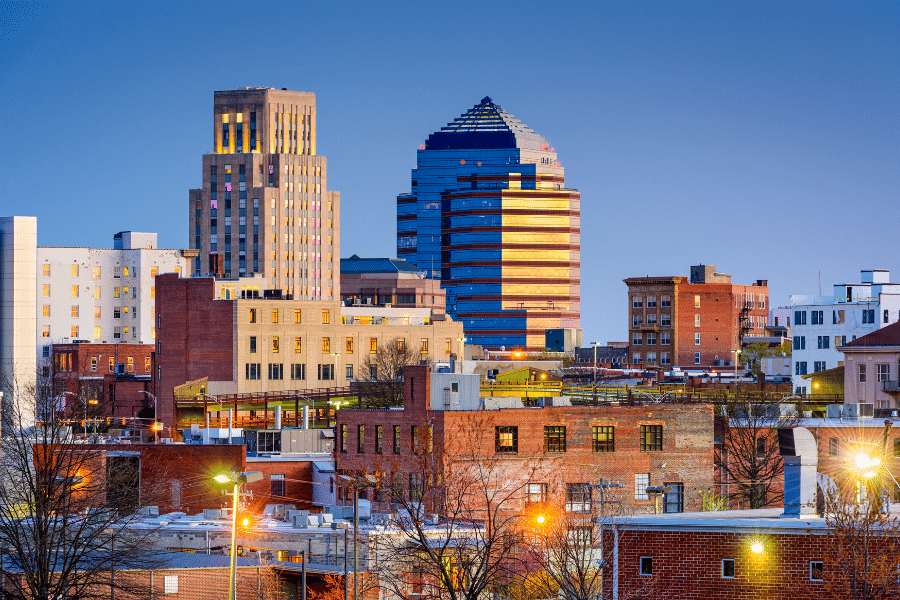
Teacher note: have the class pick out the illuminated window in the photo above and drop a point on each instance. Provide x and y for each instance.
(45, 311)
(96, 312)
(297, 315)
(554, 438)
(326, 317)
(74, 331)
(74, 291)
(349, 345)
(603, 438)
(373, 345)
(154, 271)
(343, 437)
(129, 365)
(253, 315)
(125, 271)
(424, 346)
(697, 320)
(117, 292)
(326, 344)
(275, 343)
(45, 270)
(75, 311)
(152, 291)
(274, 315)
(449, 346)
(697, 301)
(506, 439)
(147, 364)
(401, 344)
(298, 344)
(45, 331)
(97, 333)
(93, 363)
(112, 363)
(651, 438)
(170, 584)
(74, 270)
(45, 290)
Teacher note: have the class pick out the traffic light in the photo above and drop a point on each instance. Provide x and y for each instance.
(123, 420)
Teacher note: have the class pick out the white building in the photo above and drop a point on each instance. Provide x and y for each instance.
(821, 324)
(99, 294)
(18, 247)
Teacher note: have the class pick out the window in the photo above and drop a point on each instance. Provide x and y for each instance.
(833, 447)
(297, 315)
(651, 319)
(277, 485)
(343, 434)
(97, 291)
(401, 344)
(641, 481)
(414, 438)
(298, 372)
(396, 439)
(326, 345)
(424, 345)
(646, 565)
(74, 291)
(651, 438)
(816, 569)
(882, 372)
(823, 342)
(154, 271)
(448, 346)
(147, 364)
(651, 301)
(799, 317)
(112, 363)
(326, 372)
(506, 439)
(697, 320)
(728, 568)
(379, 429)
(554, 438)
(636, 339)
(117, 312)
(603, 438)
(253, 315)
(637, 302)
(664, 358)
(636, 358)
(578, 497)
(665, 338)
(274, 315)
(665, 301)
(252, 370)
(697, 301)
(326, 317)
(117, 333)
(170, 584)
(276, 371)
(818, 365)
(348, 345)
(276, 344)
(868, 316)
(373, 345)
(348, 371)
(117, 272)
(673, 502)
(94, 364)
(45, 270)
(799, 342)
(535, 493)
(636, 320)
(45, 311)
(816, 317)
(885, 315)
(252, 343)
(696, 358)
(360, 439)
(665, 320)
(651, 341)
(861, 369)
(298, 344)
(800, 367)
(696, 339)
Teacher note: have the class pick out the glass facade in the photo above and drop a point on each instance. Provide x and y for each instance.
(488, 213)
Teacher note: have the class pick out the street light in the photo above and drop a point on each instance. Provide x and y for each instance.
(238, 479)
(337, 367)
(737, 356)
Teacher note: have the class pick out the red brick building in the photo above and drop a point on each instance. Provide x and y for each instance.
(693, 323)
(561, 447)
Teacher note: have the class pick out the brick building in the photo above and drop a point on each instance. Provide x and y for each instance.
(693, 323)
(561, 447)
(224, 331)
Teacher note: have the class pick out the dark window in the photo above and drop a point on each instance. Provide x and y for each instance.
(651, 438)
(603, 438)
(343, 438)
(815, 570)
(326, 372)
(276, 371)
(646, 565)
(361, 439)
(578, 497)
(396, 439)
(414, 438)
(378, 433)
(506, 439)
(833, 447)
(535, 493)
(728, 568)
(298, 372)
(760, 446)
(252, 343)
(799, 317)
(278, 485)
(554, 438)
(674, 499)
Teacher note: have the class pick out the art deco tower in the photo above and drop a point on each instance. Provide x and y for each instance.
(264, 206)
(490, 215)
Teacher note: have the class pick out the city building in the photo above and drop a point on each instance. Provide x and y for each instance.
(101, 295)
(871, 373)
(490, 215)
(18, 255)
(560, 447)
(693, 323)
(822, 324)
(389, 282)
(265, 206)
(222, 330)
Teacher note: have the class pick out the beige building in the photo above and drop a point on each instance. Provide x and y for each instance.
(872, 368)
(264, 206)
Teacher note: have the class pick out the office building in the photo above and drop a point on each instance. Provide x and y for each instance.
(489, 214)
(389, 282)
(695, 323)
(821, 324)
(265, 206)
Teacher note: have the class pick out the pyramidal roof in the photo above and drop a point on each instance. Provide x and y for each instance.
(485, 126)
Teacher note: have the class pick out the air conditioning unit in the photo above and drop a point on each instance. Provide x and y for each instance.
(863, 410)
(212, 514)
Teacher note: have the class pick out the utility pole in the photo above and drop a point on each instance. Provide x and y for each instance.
(603, 486)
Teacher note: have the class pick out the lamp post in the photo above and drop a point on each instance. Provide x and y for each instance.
(337, 367)
(238, 479)
(461, 354)
(737, 356)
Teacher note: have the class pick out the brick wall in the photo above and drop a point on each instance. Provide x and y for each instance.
(297, 483)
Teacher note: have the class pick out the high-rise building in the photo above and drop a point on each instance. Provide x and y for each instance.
(264, 206)
(693, 323)
(490, 215)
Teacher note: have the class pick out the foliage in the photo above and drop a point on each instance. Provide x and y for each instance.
(711, 501)
(383, 372)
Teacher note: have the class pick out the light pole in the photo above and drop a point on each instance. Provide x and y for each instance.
(737, 357)
(461, 354)
(337, 367)
(238, 479)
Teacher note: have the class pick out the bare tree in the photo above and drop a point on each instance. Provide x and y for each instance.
(67, 514)
(747, 457)
(383, 372)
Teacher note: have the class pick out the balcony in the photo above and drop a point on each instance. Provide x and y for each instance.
(891, 387)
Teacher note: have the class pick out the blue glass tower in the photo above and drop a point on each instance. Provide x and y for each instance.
(489, 214)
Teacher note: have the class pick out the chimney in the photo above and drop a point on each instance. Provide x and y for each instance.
(801, 459)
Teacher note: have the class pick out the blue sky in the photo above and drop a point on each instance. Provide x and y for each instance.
(760, 137)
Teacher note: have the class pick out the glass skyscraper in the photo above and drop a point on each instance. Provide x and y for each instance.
(489, 214)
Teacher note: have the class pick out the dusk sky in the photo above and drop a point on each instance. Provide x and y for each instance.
(760, 137)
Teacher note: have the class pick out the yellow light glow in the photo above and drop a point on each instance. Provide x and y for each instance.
(541, 519)
(756, 548)
(864, 462)
(222, 478)
(869, 474)
(245, 522)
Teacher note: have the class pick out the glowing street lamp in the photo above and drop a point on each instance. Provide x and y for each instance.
(238, 479)
(756, 547)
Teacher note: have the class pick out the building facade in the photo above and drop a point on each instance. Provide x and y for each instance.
(693, 323)
(265, 206)
(224, 331)
(490, 215)
(101, 295)
(389, 282)
(872, 368)
(821, 324)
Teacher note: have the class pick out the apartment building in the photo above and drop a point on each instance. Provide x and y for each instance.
(822, 324)
(696, 322)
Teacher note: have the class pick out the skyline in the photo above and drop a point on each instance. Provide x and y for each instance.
(768, 132)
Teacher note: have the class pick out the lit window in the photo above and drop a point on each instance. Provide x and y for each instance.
(697, 301)
(97, 292)
(348, 345)
(297, 315)
(603, 438)
(74, 270)
(697, 320)
(506, 439)
(274, 315)
(74, 311)
(275, 343)
(326, 317)
(298, 344)
(554, 438)
(96, 312)
(424, 344)
(45, 331)
(74, 291)
(401, 344)
(651, 438)
(154, 271)
(45, 270)
(147, 364)
(45, 311)
(45, 290)
(93, 363)
(125, 271)
(170, 584)
(152, 291)
(117, 292)
(74, 331)
(373, 345)
(326, 344)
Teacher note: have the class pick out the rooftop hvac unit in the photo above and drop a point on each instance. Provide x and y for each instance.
(863, 410)
(212, 514)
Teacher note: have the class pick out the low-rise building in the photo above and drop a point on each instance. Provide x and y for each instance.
(872, 368)
(389, 282)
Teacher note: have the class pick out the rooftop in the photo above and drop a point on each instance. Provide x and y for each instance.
(357, 264)
(886, 336)
(486, 126)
